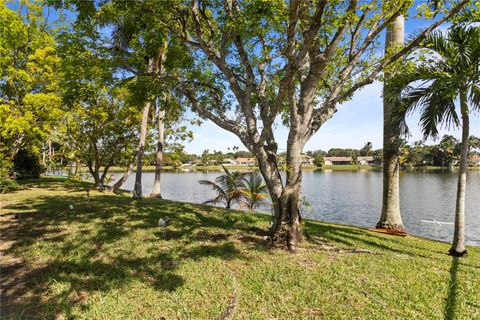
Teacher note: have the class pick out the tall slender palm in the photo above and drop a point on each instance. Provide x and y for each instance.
(228, 187)
(160, 70)
(137, 189)
(124, 32)
(254, 191)
(390, 217)
(452, 72)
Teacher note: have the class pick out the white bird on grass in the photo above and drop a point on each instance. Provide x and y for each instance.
(162, 223)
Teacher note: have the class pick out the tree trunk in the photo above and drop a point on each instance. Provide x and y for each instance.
(137, 191)
(104, 174)
(391, 217)
(114, 188)
(44, 163)
(156, 192)
(77, 164)
(458, 244)
(95, 174)
(286, 229)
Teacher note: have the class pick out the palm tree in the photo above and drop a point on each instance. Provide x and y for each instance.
(366, 149)
(390, 217)
(228, 187)
(125, 30)
(254, 191)
(452, 72)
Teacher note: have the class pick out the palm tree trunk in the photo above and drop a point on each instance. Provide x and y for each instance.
(137, 191)
(114, 188)
(391, 217)
(156, 192)
(458, 245)
(77, 165)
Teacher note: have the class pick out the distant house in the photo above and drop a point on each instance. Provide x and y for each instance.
(363, 161)
(194, 163)
(229, 162)
(337, 160)
(474, 160)
(307, 160)
(246, 161)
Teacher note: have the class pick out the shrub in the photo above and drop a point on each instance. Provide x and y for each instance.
(26, 165)
(6, 183)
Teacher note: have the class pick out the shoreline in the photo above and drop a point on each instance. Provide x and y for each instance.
(306, 168)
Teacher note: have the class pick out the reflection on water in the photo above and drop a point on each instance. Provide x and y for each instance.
(355, 197)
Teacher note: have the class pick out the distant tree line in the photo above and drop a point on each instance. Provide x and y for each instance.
(445, 153)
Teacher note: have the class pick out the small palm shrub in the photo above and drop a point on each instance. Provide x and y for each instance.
(227, 186)
(233, 187)
(253, 191)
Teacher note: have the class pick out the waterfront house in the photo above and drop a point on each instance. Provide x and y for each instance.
(307, 160)
(337, 160)
(474, 160)
(364, 161)
(246, 161)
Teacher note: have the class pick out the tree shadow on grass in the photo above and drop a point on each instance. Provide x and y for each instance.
(54, 184)
(83, 249)
(451, 300)
(353, 237)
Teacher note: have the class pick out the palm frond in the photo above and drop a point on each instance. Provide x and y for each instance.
(438, 109)
(215, 187)
(474, 97)
(437, 42)
(441, 80)
(253, 192)
(217, 200)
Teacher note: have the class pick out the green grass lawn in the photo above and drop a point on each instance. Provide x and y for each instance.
(107, 259)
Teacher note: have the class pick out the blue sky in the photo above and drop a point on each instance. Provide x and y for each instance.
(356, 122)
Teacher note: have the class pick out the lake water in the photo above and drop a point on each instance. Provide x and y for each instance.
(355, 197)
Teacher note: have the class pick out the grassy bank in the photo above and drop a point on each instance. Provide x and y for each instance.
(107, 259)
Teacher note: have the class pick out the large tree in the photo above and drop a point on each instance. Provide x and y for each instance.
(100, 124)
(29, 88)
(147, 54)
(256, 62)
(451, 73)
